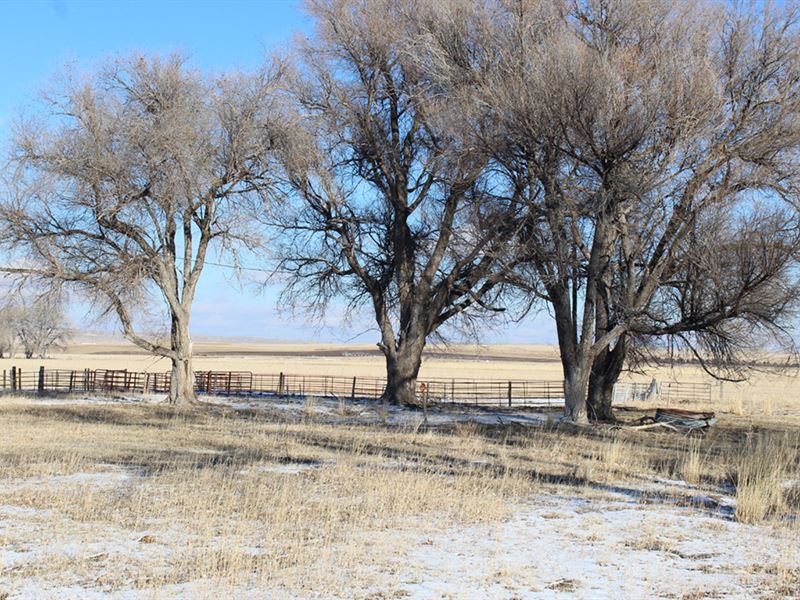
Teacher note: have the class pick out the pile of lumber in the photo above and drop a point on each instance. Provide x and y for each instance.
(685, 421)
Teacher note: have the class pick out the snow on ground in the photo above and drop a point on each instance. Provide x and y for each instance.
(555, 546)
(348, 411)
(562, 543)
(365, 411)
(352, 410)
(560, 546)
(109, 479)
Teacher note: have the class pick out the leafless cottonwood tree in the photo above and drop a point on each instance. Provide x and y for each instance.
(394, 208)
(9, 317)
(731, 289)
(131, 176)
(634, 125)
(41, 325)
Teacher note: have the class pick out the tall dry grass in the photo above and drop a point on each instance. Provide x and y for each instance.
(228, 498)
(763, 470)
(691, 463)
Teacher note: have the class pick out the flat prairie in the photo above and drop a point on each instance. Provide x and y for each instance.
(122, 496)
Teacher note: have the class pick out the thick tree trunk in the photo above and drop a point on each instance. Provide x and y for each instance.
(181, 386)
(575, 366)
(606, 370)
(576, 382)
(402, 369)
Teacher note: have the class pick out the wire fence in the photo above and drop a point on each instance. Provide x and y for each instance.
(679, 392)
(479, 392)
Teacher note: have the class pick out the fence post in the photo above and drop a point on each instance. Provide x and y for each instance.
(4, 379)
(353, 391)
(453, 390)
(41, 380)
(509, 394)
(280, 384)
(425, 405)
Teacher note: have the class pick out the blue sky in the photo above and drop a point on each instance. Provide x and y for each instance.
(39, 37)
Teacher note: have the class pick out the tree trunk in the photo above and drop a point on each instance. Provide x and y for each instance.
(402, 368)
(605, 373)
(576, 382)
(575, 366)
(181, 385)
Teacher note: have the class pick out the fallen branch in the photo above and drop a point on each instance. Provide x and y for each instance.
(646, 426)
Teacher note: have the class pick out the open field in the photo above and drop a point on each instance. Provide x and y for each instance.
(499, 361)
(765, 394)
(126, 498)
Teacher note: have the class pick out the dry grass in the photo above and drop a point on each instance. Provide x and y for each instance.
(263, 499)
(691, 465)
(763, 476)
(225, 498)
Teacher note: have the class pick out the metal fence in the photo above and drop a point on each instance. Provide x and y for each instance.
(685, 392)
(86, 380)
(478, 392)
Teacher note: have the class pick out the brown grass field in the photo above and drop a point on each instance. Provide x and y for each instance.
(125, 498)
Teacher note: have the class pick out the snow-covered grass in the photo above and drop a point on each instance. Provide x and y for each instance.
(322, 499)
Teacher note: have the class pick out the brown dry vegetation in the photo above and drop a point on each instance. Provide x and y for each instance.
(303, 501)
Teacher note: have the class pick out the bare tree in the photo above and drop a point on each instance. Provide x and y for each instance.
(9, 317)
(394, 205)
(730, 290)
(635, 125)
(130, 177)
(41, 325)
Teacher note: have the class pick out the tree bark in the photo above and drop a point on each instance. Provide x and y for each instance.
(605, 373)
(576, 382)
(181, 385)
(574, 358)
(402, 369)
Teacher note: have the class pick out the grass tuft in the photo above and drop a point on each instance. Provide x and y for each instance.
(761, 472)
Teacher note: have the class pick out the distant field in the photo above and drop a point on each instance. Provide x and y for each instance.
(765, 394)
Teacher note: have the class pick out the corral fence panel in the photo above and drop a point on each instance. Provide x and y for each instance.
(478, 392)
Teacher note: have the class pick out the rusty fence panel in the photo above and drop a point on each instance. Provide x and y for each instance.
(499, 393)
(685, 392)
